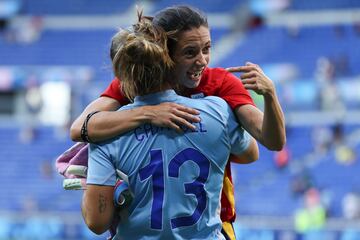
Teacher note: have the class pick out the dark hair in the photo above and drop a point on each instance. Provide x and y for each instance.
(172, 20)
(141, 59)
(177, 19)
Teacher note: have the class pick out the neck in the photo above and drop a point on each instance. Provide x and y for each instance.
(166, 86)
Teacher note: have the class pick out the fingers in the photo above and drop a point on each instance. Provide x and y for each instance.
(166, 121)
(240, 69)
(188, 110)
(254, 78)
(184, 123)
(186, 116)
(176, 116)
(237, 69)
(248, 81)
(251, 84)
(175, 106)
(176, 127)
(249, 66)
(251, 74)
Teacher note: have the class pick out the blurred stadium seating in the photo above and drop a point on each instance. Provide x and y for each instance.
(38, 45)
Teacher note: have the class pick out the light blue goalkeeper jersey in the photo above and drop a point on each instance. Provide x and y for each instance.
(176, 178)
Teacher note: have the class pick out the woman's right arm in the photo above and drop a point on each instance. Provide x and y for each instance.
(109, 123)
(99, 104)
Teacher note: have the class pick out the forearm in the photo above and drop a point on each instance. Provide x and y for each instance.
(106, 125)
(109, 123)
(268, 128)
(251, 119)
(273, 127)
(97, 209)
(100, 104)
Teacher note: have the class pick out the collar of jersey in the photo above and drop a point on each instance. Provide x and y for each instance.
(155, 98)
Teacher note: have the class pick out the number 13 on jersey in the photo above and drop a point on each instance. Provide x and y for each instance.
(154, 171)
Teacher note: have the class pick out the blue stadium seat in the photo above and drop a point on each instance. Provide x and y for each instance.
(215, 6)
(302, 50)
(323, 5)
(69, 7)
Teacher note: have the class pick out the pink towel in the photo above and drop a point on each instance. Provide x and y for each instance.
(74, 161)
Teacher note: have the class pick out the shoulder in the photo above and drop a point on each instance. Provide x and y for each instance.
(202, 101)
(214, 74)
(218, 71)
(212, 80)
(212, 104)
(217, 101)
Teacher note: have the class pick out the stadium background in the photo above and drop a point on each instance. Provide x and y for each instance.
(54, 61)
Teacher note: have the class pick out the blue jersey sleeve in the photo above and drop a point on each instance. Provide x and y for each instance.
(101, 170)
(239, 139)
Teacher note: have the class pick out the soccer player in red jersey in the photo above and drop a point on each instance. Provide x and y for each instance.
(189, 48)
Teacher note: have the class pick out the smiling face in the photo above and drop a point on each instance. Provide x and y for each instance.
(191, 56)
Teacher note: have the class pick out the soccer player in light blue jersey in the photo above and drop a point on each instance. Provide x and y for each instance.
(175, 178)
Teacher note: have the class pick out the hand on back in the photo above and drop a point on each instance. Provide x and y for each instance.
(172, 115)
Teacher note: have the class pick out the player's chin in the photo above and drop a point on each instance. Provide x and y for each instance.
(192, 83)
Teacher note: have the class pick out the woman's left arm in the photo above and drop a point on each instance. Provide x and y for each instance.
(268, 127)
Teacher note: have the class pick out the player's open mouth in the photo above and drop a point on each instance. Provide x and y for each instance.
(195, 76)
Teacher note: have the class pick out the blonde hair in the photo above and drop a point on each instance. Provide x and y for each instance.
(142, 60)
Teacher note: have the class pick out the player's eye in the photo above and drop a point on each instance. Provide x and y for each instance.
(206, 49)
(190, 52)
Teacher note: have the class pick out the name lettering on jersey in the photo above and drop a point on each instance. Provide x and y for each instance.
(147, 130)
(197, 95)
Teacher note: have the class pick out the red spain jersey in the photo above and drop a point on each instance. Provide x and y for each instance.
(214, 82)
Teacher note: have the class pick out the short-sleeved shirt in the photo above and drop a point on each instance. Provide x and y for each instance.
(176, 178)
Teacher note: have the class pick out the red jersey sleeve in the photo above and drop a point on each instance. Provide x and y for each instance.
(113, 91)
(221, 83)
(233, 91)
